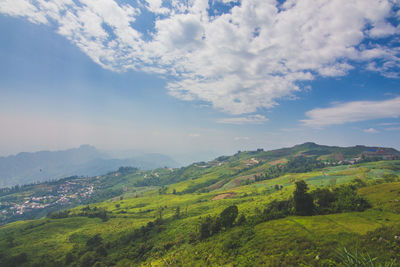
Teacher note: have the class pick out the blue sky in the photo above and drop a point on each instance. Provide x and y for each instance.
(198, 78)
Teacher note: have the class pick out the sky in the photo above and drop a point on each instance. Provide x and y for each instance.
(198, 78)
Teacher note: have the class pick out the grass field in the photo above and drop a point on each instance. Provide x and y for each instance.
(295, 240)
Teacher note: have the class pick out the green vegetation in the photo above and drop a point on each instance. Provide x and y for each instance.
(204, 214)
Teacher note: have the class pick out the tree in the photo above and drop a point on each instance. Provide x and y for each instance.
(303, 201)
(228, 216)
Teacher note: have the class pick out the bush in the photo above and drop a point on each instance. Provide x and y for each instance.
(277, 209)
(349, 200)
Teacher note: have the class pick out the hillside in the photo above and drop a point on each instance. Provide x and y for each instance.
(158, 216)
(86, 160)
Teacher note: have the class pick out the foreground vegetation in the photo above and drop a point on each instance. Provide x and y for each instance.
(222, 216)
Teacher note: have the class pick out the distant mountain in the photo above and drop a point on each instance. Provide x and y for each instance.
(334, 153)
(86, 160)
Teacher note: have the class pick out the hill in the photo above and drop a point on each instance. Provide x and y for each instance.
(225, 172)
(186, 216)
(86, 160)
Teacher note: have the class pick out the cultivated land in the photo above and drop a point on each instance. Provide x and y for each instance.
(156, 218)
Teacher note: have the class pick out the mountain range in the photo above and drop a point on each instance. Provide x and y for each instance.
(86, 160)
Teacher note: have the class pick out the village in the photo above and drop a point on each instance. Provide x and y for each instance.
(53, 196)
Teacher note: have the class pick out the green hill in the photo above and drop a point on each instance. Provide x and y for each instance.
(186, 216)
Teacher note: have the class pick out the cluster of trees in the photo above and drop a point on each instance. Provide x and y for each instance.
(85, 212)
(94, 213)
(212, 225)
(319, 201)
(295, 165)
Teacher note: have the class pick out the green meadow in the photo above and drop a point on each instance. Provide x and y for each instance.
(158, 225)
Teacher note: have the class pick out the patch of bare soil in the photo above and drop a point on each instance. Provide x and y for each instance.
(224, 195)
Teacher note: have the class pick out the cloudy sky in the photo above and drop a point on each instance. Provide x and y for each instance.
(199, 77)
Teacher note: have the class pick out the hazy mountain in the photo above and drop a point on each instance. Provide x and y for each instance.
(86, 160)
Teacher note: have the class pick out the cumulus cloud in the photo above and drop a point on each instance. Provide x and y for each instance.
(241, 58)
(251, 119)
(352, 112)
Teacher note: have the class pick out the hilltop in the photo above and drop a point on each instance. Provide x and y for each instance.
(178, 216)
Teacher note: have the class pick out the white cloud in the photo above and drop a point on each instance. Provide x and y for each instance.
(352, 112)
(251, 119)
(155, 6)
(194, 135)
(240, 61)
(370, 130)
(22, 8)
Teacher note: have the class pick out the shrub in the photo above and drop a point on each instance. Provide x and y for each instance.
(349, 200)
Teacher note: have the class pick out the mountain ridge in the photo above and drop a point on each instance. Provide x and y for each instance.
(28, 167)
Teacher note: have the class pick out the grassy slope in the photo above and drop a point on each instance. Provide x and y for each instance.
(279, 242)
